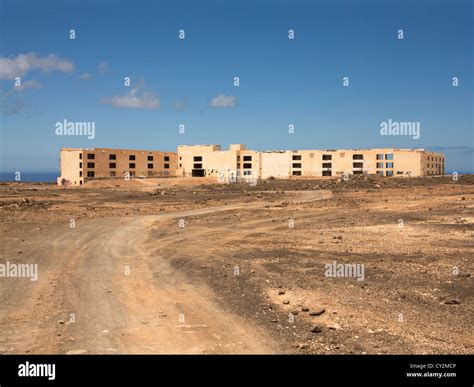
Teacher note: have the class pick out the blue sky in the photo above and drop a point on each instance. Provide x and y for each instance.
(282, 81)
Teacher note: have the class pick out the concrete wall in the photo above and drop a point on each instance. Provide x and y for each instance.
(283, 164)
(210, 160)
(71, 170)
(114, 163)
(187, 153)
(432, 163)
(275, 164)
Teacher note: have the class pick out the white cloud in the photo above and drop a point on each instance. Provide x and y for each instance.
(223, 101)
(134, 100)
(32, 84)
(86, 76)
(21, 64)
(103, 67)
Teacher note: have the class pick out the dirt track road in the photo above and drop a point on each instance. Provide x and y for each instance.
(104, 288)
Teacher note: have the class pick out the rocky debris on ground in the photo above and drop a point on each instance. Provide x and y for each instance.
(316, 329)
(317, 312)
(23, 204)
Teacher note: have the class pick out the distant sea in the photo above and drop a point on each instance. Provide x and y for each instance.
(31, 177)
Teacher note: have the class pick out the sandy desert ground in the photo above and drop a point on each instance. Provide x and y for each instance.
(189, 266)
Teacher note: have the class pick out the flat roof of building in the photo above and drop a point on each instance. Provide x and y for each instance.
(254, 150)
(115, 149)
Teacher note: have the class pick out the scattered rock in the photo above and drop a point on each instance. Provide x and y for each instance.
(316, 329)
(452, 301)
(281, 292)
(317, 312)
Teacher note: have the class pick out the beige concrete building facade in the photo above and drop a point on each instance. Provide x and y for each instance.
(211, 160)
(80, 164)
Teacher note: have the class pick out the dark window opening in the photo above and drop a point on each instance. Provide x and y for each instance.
(327, 173)
(90, 165)
(197, 158)
(112, 157)
(198, 172)
(327, 165)
(296, 165)
(112, 165)
(247, 165)
(296, 157)
(131, 157)
(167, 166)
(357, 172)
(296, 173)
(90, 156)
(357, 157)
(131, 165)
(197, 166)
(167, 158)
(247, 158)
(150, 158)
(80, 156)
(380, 156)
(150, 166)
(90, 174)
(327, 157)
(357, 165)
